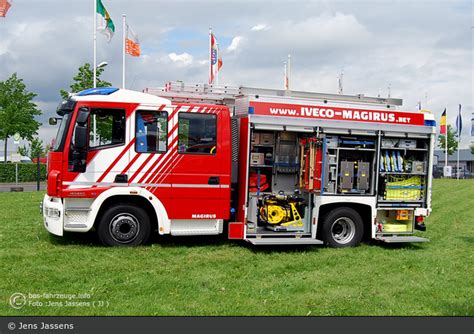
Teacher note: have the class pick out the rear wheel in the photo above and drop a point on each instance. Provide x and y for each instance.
(124, 225)
(342, 227)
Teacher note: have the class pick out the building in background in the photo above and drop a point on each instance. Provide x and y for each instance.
(466, 163)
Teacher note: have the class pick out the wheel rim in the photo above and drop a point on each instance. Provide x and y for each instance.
(343, 230)
(124, 228)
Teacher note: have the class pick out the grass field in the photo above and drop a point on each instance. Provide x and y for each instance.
(212, 276)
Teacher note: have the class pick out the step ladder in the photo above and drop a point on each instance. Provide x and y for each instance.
(284, 241)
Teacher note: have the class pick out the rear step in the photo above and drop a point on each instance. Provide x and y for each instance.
(395, 239)
(284, 241)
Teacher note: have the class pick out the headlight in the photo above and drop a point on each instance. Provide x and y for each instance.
(53, 213)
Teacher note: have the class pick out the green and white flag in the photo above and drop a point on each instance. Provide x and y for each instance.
(105, 24)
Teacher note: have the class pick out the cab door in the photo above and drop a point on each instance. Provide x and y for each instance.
(106, 150)
(201, 171)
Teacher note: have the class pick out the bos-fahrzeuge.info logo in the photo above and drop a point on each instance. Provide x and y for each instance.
(17, 300)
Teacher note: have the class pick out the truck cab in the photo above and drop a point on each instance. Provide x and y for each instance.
(127, 163)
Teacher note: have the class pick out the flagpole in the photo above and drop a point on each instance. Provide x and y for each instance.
(95, 45)
(124, 24)
(285, 78)
(289, 71)
(210, 55)
(341, 83)
(457, 168)
(459, 125)
(446, 142)
(94, 124)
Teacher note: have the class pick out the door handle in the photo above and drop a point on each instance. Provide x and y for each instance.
(213, 180)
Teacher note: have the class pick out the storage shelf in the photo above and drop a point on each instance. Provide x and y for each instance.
(262, 145)
(402, 173)
(356, 149)
(404, 149)
(399, 201)
(261, 166)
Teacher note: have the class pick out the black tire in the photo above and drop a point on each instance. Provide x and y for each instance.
(342, 227)
(124, 225)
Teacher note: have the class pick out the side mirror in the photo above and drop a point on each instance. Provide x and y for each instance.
(78, 154)
(53, 120)
(80, 138)
(82, 116)
(80, 133)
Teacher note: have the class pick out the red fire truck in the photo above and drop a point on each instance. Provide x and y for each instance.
(271, 167)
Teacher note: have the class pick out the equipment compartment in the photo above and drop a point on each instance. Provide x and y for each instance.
(276, 204)
(349, 165)
(395, 221)
(403, 170)
(261, 161)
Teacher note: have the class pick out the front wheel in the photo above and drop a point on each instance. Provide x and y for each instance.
(342, 227)
(124, 225)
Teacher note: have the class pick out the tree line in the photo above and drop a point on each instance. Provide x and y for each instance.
(18, 111)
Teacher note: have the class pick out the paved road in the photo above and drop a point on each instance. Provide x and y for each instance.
(29, 186)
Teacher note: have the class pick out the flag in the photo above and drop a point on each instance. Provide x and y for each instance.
(215, 59)
(132, 45)
(459, 123)
(442, 123)
(472, 125)
(4, 7)
(105, 24)
(219, 59)
(339, 82)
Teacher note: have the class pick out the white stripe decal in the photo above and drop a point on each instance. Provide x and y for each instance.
(164, 172)
(159, 169)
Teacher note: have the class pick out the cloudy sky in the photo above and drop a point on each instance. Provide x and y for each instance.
(422, 49)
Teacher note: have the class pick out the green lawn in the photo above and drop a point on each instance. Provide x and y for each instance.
(212, 276)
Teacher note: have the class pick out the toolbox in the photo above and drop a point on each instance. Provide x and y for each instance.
(407, 143)
(390, 142)
(257, 159)
(266, 138)
(418, 167)
(255, 138)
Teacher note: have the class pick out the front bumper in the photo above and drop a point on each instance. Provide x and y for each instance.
(53, 215)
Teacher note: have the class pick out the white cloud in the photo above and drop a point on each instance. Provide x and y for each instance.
(260, 27)
(183, 59)
(315, 33)
(234, 45)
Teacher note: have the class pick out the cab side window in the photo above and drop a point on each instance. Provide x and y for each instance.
(151, 131)
(197, 133)
(110, 128)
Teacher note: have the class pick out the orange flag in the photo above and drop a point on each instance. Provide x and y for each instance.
(132, 45)
(4, 7)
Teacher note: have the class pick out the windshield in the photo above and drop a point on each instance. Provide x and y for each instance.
(62, 131)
